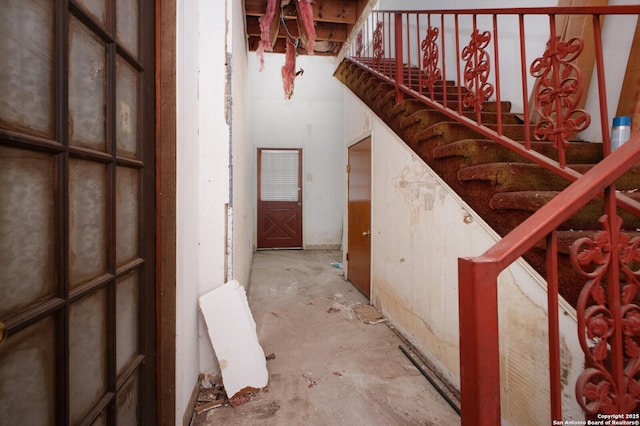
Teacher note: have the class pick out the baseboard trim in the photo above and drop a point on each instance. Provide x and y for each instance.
(322, 247)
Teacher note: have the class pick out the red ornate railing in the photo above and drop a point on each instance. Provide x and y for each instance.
(410, 51)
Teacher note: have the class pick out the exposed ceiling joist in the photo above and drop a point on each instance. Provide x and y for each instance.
(324, 31)
(333, 22)
(339, 11)
(281, 44)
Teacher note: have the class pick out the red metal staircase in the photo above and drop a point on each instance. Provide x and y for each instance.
(503, 187)
(569, 207)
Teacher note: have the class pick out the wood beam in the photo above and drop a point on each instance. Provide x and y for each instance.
(280, 47)
(340, 11)
(324, 31)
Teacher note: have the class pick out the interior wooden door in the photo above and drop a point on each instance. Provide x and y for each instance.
(359, 216)
(279, 198)
(77, 212)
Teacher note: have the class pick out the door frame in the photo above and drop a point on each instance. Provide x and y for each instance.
(166, 172)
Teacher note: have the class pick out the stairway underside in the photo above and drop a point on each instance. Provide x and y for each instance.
(500, 185)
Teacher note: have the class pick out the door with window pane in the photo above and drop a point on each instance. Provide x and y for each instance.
(77, 207)
(279, 198)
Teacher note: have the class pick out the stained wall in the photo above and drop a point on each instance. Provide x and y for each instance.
(420, 227)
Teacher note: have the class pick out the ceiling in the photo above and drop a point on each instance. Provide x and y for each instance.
(334, 21)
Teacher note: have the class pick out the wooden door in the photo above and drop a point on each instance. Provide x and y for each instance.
(359, 216)
(77, 212)
(279, 198)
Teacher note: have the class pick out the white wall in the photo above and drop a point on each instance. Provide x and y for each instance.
(311, 120)
(244, 174)
(188, 201)
(419, 229)
(202, 185)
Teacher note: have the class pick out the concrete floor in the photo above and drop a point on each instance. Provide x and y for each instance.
(329, 367)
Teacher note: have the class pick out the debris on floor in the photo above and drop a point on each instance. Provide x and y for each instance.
(270, 357)
(337, 265)
(234, 338)
(337, 370)
(210, 398)
(312, 382)
(333, 310)
(216, 396)
(237, 401)
(368, 314)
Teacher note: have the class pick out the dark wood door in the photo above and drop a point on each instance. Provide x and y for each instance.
(77, 212)
(279, 198)
(359, 216)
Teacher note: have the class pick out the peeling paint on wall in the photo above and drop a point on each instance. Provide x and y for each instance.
(418, 189)
(421, 229)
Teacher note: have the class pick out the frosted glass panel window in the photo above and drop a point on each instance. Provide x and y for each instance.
(126, 109)
(127, 17)
(87, 220)
(87, 354)
(87, 83)
(126, 320)
(127, 208)
(95, 7)
(27, 376)
(26, 68)
(26, 228)
(279, 175)
(128, 400)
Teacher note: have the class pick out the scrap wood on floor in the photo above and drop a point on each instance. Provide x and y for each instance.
(369, 314)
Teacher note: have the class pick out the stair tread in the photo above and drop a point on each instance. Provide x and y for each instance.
(513, 176)
(478, 151)
(518, 175)
(531, 201)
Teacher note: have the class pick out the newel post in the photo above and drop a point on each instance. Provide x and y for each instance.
(479, 353)
(397, 24)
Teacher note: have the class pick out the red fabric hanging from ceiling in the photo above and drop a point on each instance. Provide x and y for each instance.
(265, 26)
(306, 13)
(288, 69)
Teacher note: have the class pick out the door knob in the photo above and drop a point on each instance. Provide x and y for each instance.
(366, 233)
(4, 332)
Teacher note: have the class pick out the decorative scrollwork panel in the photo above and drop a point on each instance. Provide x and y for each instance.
(359, 44)
(476, 70)
(378, 48)
(430, 58)
(558, 91)
(601, 317)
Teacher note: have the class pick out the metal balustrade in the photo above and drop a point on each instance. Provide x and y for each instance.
(453, 61)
